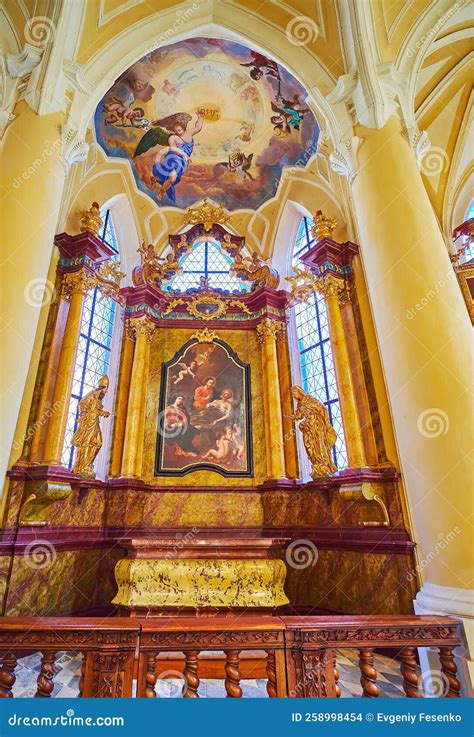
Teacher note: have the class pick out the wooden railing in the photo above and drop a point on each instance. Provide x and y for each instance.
(300, 653)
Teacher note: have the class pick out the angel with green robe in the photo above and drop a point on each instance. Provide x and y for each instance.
(163, 153)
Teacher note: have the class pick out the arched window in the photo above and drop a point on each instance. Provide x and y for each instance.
(207, 259)
(314, 348)
(95, 340)
(468, 252)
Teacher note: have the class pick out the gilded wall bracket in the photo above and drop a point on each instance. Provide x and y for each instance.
(366, 492)
(38, 498)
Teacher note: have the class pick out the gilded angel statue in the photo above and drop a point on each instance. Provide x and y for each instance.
(88, 438)
(318, 434)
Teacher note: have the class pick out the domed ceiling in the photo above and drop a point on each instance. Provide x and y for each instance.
(207, 118)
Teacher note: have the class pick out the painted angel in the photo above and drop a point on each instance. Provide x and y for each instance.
(165, 151)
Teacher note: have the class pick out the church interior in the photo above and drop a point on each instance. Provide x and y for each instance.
(237, 303)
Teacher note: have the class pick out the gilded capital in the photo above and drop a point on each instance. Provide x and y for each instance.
(77, 282)
(270, 328)
(330, 285)
(138, 327)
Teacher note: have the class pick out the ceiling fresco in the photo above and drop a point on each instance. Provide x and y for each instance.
(207, 118)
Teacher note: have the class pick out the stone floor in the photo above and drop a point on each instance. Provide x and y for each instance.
(68, 667)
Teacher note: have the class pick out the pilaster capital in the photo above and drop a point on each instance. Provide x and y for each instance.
(77, 282)
(330, 285)
(138, 327)
(270, 328)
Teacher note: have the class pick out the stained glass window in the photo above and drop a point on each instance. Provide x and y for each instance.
(314, 347)
(95, 340)
(468, 252)
(207, 259)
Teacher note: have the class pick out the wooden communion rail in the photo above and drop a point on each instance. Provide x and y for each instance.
(300, 653)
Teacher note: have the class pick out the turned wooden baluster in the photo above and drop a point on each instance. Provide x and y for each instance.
(7, 675)
(150, 676)
(271, 674)
(46, 675)
(368, 674)
(232, 675)
(337, 688)
(449, 670)
(191, 685)
(408, 669)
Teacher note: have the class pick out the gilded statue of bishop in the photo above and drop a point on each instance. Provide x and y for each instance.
(319, 435)
(88, 438)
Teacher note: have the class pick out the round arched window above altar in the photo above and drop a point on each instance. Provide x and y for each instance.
(209, 261)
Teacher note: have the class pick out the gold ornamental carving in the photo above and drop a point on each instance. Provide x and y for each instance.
(208, 213)
(204, 336)
(155, 269)
(140, 326)
(90, 219)
(322, 226)
(270, 328)
(304, 284)
(108, 277)
(319, 435)
(74, 282)
(88, 438)
(254, 270)
(330, 285)
(200, 583)
(207, 307)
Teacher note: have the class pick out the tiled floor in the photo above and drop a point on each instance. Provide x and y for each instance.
(68, 667)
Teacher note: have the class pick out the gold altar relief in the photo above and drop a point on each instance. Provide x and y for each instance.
(88, 438)
(90, 219)
(166, 343)
(318, 434)
(200, 583)
(208, 213)
(322, 226)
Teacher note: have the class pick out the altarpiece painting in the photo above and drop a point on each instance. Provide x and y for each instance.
(204, 419)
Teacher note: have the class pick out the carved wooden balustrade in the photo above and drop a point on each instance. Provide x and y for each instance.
(300, 653)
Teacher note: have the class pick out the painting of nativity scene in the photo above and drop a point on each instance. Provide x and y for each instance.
(204, 418)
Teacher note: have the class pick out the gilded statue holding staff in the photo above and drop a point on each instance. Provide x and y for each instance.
(88, 437)
(319, 435)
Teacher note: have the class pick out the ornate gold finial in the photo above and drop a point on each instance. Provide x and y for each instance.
(91, 222)
(207, 213)
(322, 226)
(319, 435)
(88, 438)
(204, 336)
